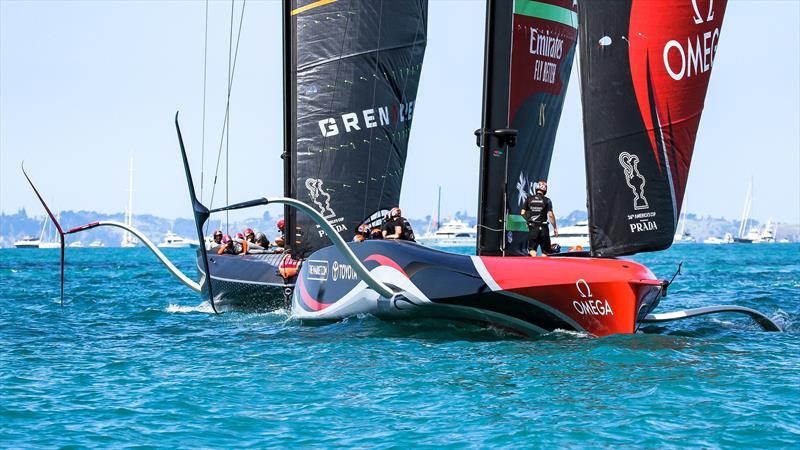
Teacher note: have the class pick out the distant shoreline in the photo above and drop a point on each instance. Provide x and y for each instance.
(14, 227)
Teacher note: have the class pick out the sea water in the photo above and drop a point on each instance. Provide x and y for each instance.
(134, 359)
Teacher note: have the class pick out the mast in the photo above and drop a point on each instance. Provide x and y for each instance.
(439, 210)
(129, 213)
(288, 121)
(530, 47)
(44, 227)
(746, 211)
(496, 74)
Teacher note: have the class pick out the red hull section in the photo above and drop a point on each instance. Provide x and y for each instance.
(602, 296)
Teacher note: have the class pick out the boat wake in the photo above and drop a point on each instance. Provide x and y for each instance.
(204, 307)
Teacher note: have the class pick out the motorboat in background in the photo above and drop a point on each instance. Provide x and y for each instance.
(573, 238)
(453, 233)
(172, 240)
(33, 242)
(769, 232)
(97, 243)
(28, 242)
(728, 239)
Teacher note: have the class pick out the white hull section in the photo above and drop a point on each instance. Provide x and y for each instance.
(411, 304)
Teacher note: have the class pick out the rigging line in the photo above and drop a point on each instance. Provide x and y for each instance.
(372, 130)
(203, 136)
(232, 73)
(228, 122)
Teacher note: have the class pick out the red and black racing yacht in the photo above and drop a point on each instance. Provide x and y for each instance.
(351, 74)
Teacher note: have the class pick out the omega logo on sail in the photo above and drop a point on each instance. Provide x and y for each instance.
(590, 306)
(697, 59)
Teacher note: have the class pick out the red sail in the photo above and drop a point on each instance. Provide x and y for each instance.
(645, 68)
(680, 41)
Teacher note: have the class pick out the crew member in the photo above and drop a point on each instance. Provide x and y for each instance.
(538, 210)
(229, 246)
(217, 240)
(397, 227)
(243, 244)
(362, 234)
(249, 236)
(280, 240)
(260, 245)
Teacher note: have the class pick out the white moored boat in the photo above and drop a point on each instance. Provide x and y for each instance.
(172, 240)
(453, 233)
(45, 239)
(574, 238)
(728, 239)
(27, 242)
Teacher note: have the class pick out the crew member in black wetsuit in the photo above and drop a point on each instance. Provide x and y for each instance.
(538, 211)
(397, 227)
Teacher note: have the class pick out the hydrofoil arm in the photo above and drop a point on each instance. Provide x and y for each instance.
(762, 320)
(193, 285)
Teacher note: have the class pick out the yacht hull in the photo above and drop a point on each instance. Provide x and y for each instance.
(247, 282)
(520, 295)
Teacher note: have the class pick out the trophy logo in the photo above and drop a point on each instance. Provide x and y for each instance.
(634, 179)
(315, 191)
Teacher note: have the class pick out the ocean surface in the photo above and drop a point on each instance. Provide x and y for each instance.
(133, 359)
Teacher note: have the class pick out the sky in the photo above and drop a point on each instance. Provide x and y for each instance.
(85, 85)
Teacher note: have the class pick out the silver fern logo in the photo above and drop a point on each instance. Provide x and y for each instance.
(634, 179)
(525, 189)
(320, 198)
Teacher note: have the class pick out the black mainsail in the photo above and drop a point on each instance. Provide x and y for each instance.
(530, 46)
(645, 68)
(352, 72)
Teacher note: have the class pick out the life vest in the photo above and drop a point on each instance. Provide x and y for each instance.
(288, 266)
